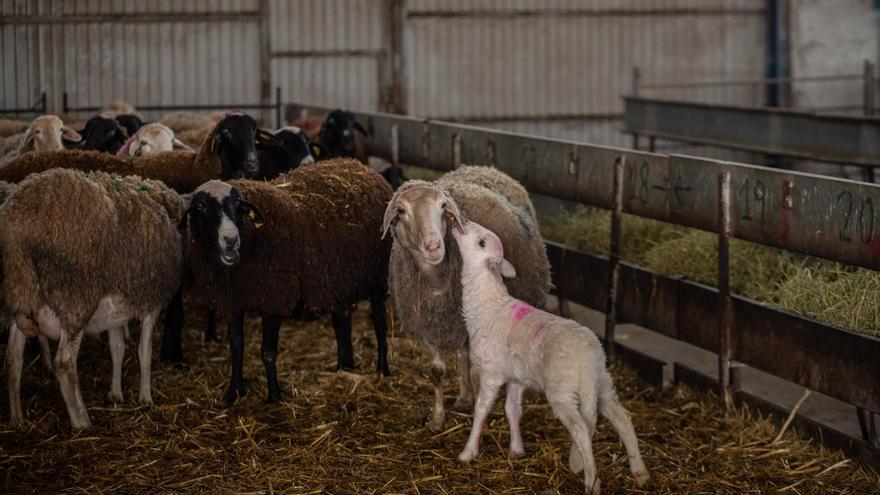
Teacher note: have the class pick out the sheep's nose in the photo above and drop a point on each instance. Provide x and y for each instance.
(143, 142)
(432, 245)
(229, 240)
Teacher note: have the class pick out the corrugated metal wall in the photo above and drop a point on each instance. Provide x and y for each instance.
(549, 67)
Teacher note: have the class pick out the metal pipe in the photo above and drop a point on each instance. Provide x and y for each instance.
(869, 88)
(726, 303)
(614, 259)
(278, 107)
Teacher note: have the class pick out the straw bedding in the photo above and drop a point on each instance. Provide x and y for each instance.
(350, 433)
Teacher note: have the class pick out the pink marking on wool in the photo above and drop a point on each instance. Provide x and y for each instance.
(521, 310)
(535, 334)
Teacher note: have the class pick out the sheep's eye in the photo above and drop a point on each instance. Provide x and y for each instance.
(200, 206)
(482, 243)
(443, 205)
(400, 211)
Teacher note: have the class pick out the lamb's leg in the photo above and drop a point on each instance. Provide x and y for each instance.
(235, 329)
(65, 369)
(145, 356)
(172, 351)
(46, 353)
(513, 410)
(489, 389)
(117, 354)
(344, 352)
(14, 363)
(211, 330)
(438, 369)
(380, 324)
(465, 399)
(566, 409)
(619, 418)
(269, 353)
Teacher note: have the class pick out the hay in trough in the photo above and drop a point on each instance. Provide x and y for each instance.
(360, 433)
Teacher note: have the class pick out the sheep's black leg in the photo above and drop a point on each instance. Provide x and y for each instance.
(269, 352)
(172, 351)
(211, 331)
(344, 352)
(380, 324)
(235, 329)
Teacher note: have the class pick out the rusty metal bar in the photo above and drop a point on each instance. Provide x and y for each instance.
(749, 82)
(456, 150)
(869, 88)
(614, 259)
(395, 146)
(133, 18)
(397, 60)
(278, 107)
(725, 302)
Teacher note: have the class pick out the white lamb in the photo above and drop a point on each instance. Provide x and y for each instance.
(516, 344)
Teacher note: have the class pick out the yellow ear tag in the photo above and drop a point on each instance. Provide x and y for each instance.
(252, 216)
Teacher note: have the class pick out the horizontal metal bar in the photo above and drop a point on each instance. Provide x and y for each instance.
(796, 133)
(836, 362)
(828, 217)
(132, 18)
(548, 117)
(529, 13)
(20, 110)
(749, 82)
(149, 108)
(327, 53)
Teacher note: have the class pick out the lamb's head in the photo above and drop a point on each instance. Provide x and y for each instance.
(481, 249)
(152, 139)
(337, 133)
(131, 122)
(103, 134)
(290, 145)
(235, 140)
(48, 133)
(418, 215)
(216, 211)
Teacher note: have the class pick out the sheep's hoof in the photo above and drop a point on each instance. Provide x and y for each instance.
(467, 456)
(436, 424)
(233, 394)
(642, 478)
(463, 405)
(513, 453)
(146, 401)
(114, 398)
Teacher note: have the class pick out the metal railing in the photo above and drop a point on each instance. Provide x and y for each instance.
(820, 216)
(276, 107)
(38, 108)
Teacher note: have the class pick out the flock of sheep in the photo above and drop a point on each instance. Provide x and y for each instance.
(114, 221)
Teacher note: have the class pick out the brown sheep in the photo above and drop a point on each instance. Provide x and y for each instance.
(302, 245)
(107, 250)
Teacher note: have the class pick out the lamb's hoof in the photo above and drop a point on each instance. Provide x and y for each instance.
(467, 456)
(463, 405)
(81, 425)
(233, 394)
(513, 453)
(436, 424)
(597, 487)
(642, 478)
(146, 401)
(115, 398)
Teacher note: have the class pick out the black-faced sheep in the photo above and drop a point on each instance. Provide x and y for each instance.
(103, 134)
(515, 344)
(131, 123)
(286, 149)
(302, 245)
(425, 266)
(107, 250)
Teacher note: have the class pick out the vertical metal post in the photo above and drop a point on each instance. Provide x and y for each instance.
(868, 425)
(64, 107)
(725, 302)
(43, 104)
(265, 57)
(636, 79)
(651, 143)
(869, 88)
(491, 151)
(396, 14)
(395, 145)
(278, 107)
(614, 260)
(456, 151)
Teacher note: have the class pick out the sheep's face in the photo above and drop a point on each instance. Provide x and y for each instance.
(103, 134)
(152, 139)
(48, 133)
(130, 122)
(296, 146)
(234, 139)
(420, 216)
(337, 133)
(481, 249)
(215, 212)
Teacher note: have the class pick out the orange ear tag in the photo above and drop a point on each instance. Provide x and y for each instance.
(252, 216)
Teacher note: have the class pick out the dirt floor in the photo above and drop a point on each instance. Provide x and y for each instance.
(359, 433)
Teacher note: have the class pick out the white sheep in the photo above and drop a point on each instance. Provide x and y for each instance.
(516, 344)
(151, 139)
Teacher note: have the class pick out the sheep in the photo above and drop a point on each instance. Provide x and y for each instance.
(286, 149)
(230, 151)
(118, 107)
(190, 128)
(11, 127)
(512, 343)
(103, 134)
(424, 274)
(45, 133)
(151, 139)
(314, 251)
(131, 123)
(118, 257)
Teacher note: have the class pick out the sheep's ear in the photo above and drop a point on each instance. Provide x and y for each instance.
(187, 209)
(501, 267)
(454, 216)
(252, 213)
(28, 141)
(358, 127)
(70, 135)
(177, 144)
(265, 139)
(391, 215)
(318, 151)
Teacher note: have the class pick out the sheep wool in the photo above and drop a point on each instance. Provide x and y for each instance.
(99, 234)
(318, 250)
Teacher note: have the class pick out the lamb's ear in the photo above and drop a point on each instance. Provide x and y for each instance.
(391, 214)
(70, 135)
(177, 144)
(27, 143)
(357, 125)
(252, 213)
(454, 216)
(187, 209)
(265, 140)
(501, 267)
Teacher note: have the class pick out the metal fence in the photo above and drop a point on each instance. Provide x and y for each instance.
(831, 218)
